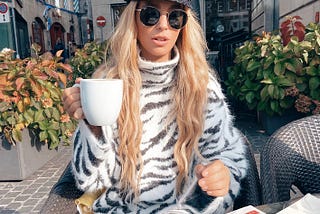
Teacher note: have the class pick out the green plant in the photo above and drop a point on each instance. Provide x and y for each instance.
(272, 77)
(31, 97)
(87, 59)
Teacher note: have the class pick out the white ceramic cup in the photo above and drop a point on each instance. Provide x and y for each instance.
(101, 100)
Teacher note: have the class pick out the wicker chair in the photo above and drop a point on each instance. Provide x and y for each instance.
(290, 157)
(64, 192)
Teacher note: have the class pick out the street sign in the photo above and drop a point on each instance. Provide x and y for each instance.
(4, 13)
(101, 21)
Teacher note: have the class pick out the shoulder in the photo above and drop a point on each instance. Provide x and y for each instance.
(214, 88)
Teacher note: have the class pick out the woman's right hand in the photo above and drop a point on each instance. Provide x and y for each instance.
(72, 103)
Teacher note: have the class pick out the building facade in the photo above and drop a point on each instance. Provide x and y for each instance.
(43, 22)
(268, 14)
(226, 23)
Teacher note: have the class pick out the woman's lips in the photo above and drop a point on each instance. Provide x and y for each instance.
(160, 41)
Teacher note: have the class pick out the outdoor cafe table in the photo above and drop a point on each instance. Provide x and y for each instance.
(278, 206)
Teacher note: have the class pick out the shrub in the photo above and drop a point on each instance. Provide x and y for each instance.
(272, 77)
(31, 97)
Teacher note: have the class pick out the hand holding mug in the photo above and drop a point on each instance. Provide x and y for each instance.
(97, 100)
(72, 102)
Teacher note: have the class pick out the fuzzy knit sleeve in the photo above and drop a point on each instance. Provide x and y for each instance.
(221, 140)
(94, 159)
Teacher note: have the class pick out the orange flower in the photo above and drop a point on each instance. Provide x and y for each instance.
(47, 102)
(65, 118)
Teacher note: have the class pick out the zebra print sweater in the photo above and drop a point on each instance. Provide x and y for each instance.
(96, 165)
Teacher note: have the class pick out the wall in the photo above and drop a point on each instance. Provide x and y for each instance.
(29, 10)
(268, 14)
(103, 8)
(305, 8)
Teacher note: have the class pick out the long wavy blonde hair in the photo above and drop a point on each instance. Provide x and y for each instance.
(190, 98)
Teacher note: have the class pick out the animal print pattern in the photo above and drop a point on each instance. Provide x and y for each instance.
(96, 164)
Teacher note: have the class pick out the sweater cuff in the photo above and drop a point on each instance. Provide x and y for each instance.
(103, 142)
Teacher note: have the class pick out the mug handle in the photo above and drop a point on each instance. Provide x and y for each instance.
(76, 85)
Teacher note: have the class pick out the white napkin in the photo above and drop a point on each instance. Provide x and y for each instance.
(247, 209)
(309, 204)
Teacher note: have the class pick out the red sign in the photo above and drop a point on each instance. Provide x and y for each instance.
(101, 21)
(3, 8)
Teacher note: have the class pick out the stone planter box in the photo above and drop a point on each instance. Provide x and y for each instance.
(19, 161)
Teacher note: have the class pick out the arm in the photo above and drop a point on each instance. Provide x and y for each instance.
(94, 158)
(221, 142)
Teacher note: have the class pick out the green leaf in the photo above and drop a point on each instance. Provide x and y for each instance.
(38, 116)
(250, 97)
(311, 70)
(17, 135)
(271, 91)
(53, 136)
(268, 62)
(266, 81)
(47, 112)
(264, 93)
(252, 65)
(279, 68)
(301, 86)
(276, 93)
(43, 136)
(56, 114)
(43, 125)
(315, 94)
(11, 120)
(314, 83)
(284, 82)
(294, 65)
(53, 126)
(281, 93)
(28, 115)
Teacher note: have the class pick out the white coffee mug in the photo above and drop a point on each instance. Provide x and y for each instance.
(101, 100)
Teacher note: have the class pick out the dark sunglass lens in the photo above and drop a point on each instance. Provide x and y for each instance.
(177, 19)
(149, 16)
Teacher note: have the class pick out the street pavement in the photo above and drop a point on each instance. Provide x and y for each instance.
(29, 195)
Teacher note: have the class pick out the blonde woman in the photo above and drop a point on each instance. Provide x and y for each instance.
(174, 146)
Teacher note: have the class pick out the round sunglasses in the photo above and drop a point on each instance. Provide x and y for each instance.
(150, 16)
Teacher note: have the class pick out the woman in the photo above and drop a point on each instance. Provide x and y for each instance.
(174, 146)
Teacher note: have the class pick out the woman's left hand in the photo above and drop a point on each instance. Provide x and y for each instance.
(214, 178)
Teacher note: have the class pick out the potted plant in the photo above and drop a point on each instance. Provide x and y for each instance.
(31, 107)
(276, 74)
(87, 59)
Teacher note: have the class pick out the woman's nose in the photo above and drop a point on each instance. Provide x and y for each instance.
(163, 22)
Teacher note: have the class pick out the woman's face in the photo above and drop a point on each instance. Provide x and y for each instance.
(157, 41)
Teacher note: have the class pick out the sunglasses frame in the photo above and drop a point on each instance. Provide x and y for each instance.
(167, 15)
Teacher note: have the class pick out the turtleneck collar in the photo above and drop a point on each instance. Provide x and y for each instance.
(154, 73)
